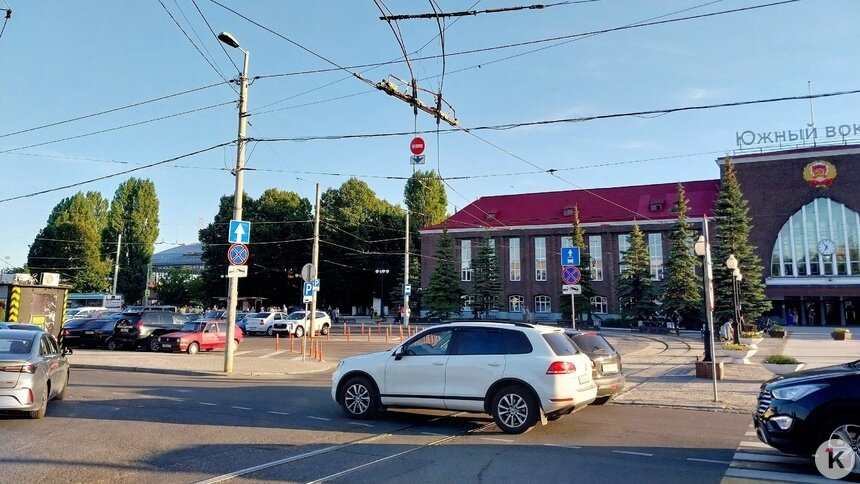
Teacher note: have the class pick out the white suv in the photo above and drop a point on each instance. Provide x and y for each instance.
(516, 372)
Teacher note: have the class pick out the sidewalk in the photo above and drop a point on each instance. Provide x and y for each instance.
(671, 382)
(211, 364)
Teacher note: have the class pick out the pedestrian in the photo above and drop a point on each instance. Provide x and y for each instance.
(336, 315)
(527, 315)
(789, 318)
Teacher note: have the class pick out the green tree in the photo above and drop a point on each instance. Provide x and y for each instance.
(427, 203)
(581, 301)
(178, 288)
(733, 226)
(71, 244)
(487, 289)
(635, 288)
(682, 288)
(134, 214)
(443, 296)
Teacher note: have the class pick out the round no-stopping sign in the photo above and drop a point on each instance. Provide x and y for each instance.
(238, 254)
(570, 274)
(417, 146)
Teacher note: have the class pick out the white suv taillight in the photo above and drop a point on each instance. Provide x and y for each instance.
(561, 368)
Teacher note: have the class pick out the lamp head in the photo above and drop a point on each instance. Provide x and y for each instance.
(737, 274)
(731, 262)
(699, 246)
(228, 39)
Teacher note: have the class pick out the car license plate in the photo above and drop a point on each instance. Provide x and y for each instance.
(124, 330)
(89, 332)
(166, 345)
(610, 368)
(583, 379)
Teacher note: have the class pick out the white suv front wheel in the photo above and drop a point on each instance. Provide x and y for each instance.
(359, 398)
(514, 410)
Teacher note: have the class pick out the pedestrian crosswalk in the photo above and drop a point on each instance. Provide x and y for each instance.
(757, 461)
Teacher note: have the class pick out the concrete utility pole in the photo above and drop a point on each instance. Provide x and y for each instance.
(709, 302)
(405, 320)
(315, 259)
(116, 266)
(233, 282)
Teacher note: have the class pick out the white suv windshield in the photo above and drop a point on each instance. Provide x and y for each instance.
(297, 316)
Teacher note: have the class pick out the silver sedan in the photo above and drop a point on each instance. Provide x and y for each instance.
(33, 371)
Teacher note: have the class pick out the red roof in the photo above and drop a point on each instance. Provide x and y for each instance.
(599, 205)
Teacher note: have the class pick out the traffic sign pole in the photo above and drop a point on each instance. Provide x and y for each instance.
(315, 261)
(573, 311)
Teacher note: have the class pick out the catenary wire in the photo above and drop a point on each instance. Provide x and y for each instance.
(215, 35)
(213, 66)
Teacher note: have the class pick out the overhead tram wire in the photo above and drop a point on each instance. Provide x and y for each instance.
(466, 13)
(213, 66)
(111, 175)
(112, 110)
(636, 25)
(115, 128)
(220, 44)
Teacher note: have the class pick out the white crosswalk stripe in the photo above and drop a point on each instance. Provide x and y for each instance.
(756, 461)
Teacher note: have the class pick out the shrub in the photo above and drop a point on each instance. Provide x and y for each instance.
(779, 359)
(777, 327)
(841, 330)
(734, 347)
(750, 334)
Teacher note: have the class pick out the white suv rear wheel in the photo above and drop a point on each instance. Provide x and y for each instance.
(514, 410)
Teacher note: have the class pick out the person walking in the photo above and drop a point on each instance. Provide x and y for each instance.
(789, 318)
(335, 314)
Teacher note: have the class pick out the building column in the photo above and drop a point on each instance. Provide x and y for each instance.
(822, 308)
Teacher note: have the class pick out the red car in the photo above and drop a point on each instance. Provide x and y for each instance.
(198, 335)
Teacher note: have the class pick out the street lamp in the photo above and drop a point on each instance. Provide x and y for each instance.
(708, 338)
(233, 282)
(382, 290)
(732, 265)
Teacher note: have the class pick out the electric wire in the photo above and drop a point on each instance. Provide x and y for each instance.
(230, 58)
(464, 13)
(213, 66)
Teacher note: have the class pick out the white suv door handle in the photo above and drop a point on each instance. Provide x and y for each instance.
(495, 364)
(438, 363)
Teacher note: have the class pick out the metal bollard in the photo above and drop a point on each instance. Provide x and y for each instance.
(291, 342)
(348, 333)
(369, 332)
(387, 332)
(362, 329)
(277, 342)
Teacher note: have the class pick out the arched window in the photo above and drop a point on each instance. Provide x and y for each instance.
(515, 303)
(820, 239)
(599, 304)
(542, 304)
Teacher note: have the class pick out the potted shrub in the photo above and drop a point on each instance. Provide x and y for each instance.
(751, 338)
(777, 331)
(841, 334)
(782, 364)
(739, 353)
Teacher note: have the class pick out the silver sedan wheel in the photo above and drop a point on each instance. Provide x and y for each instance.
(513, 410)
(357, 399)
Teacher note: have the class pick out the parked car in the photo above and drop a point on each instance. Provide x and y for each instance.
(29, 327)
(608, 372)
(198, 335)
(142, 329)
(33, 371)
(263, 322)
(85, 312)
(798, 412)
(299, 322)
(519, 373)
(171, 309)
(93, 334)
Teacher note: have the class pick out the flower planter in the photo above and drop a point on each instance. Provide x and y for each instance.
(776, 334)
(841, 335)
(784, 369)
(740, 357)
(752, 342)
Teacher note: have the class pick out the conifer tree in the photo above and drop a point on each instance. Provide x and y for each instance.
(443, 296)
(635, 288)
(682, 288)
(733, 226)
(488, 286)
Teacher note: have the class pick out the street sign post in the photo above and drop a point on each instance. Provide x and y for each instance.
(240, 232)
(571, 289)
(417, 146)
(307, 292)
(407, 290)
(307, 272)
(316, 284)
(238, 254)
(570, 274)
(417, 159)
(569, 256)
(237, 271)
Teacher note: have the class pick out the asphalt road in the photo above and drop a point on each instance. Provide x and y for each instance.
(142, 427)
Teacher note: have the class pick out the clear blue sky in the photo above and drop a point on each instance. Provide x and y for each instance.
(64, 59)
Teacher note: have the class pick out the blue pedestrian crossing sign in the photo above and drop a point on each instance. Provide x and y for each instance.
(569, 256)
(240, 232)
(407, 289)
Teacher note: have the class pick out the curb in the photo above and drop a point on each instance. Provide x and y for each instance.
(164, 371)
(699, 408)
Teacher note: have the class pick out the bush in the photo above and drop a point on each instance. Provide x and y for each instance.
(841, 330)
(734, 347)
(779, 359)
(615, 323)
(750, 334)
(777, 327)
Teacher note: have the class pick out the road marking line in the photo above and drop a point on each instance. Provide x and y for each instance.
(563, 446)
(277, 413)
(750, 434)
(628, 452)
(274, 353)
(240, 408)
(119, 393)
(361, 424)
(495, 439)
(711, 461)
(775, 458)
(240, 353)
(757, 445)
(319, 418)
(208, 404)
(432, 433)
(776, 476)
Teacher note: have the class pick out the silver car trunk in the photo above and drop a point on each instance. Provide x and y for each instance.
(9, 378)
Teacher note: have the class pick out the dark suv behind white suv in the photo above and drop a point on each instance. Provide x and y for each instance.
(518, 373)
(142, 329)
